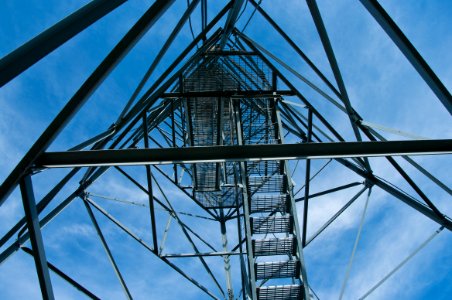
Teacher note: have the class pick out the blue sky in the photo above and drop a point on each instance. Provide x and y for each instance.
(383, 88)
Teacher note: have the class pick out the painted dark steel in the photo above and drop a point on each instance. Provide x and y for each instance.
(241, 153)
(149, 183)
(85, 91)
(34, 50)
(295, 47)
(410, 52)
(231, 20)
(233, 94)
(307, 183)
(64, 276)
(315, 13)
(34, 229)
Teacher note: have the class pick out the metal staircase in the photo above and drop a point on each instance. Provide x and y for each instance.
(262, 190)
(273, 225)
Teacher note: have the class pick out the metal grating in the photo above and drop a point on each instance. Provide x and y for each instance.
(269, 203)
(272, 224)
(258, 123)
(263, 168)
(266, 184)
(226, 197)
(278, 269)
(228, 73)
(275, 246)
(280, 292)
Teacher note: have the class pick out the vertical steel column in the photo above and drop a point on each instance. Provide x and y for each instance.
(173, 132)
(246, 204)
(149, 182)
(227, 263)
(410, 52)
(203, 17)
(219, 166)
(307, 180)
(243, 274)
(28, 200)
(293, 208)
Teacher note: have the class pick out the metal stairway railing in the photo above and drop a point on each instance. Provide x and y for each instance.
(261, 188)
(270, 219)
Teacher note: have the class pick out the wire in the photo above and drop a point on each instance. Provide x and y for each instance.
(310, 179)
(402, 263)
(355, 246)
(252, 15)
(243, 10)
(190, 25)
(145, 205)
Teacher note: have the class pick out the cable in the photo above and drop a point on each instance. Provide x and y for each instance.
(402, 263)
(249, 19)
(317, 173)
(190, 25)
(355, 246)
(243, 10)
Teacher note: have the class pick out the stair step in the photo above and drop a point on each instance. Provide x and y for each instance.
(274, 246)
(277, 269)
(269, 203)
(272, 224)
(280, 292)
(263, 168)
(266, 184)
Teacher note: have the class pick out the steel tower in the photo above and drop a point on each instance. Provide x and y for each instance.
(222, 147)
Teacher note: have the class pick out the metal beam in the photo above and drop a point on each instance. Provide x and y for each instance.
(64, 276)
(141, 242)
(85, 91)
(34, 229)
(149, 190)
(241, 153)
(159, 56)
(35, 49)
(410, 52)
(107, 250)
(203, 16)
(295, 47)
(230, 21)
(233, 94)
(307, 183)
(315, 13)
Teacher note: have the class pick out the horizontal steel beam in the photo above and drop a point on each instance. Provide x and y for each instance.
(229, 53)
(241, 153)
(236, 94)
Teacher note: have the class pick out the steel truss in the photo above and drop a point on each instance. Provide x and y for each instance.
(219, 126)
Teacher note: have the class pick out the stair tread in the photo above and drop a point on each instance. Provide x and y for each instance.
(280, 292)
(272, 224)
(274, 246)
(277, 269)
